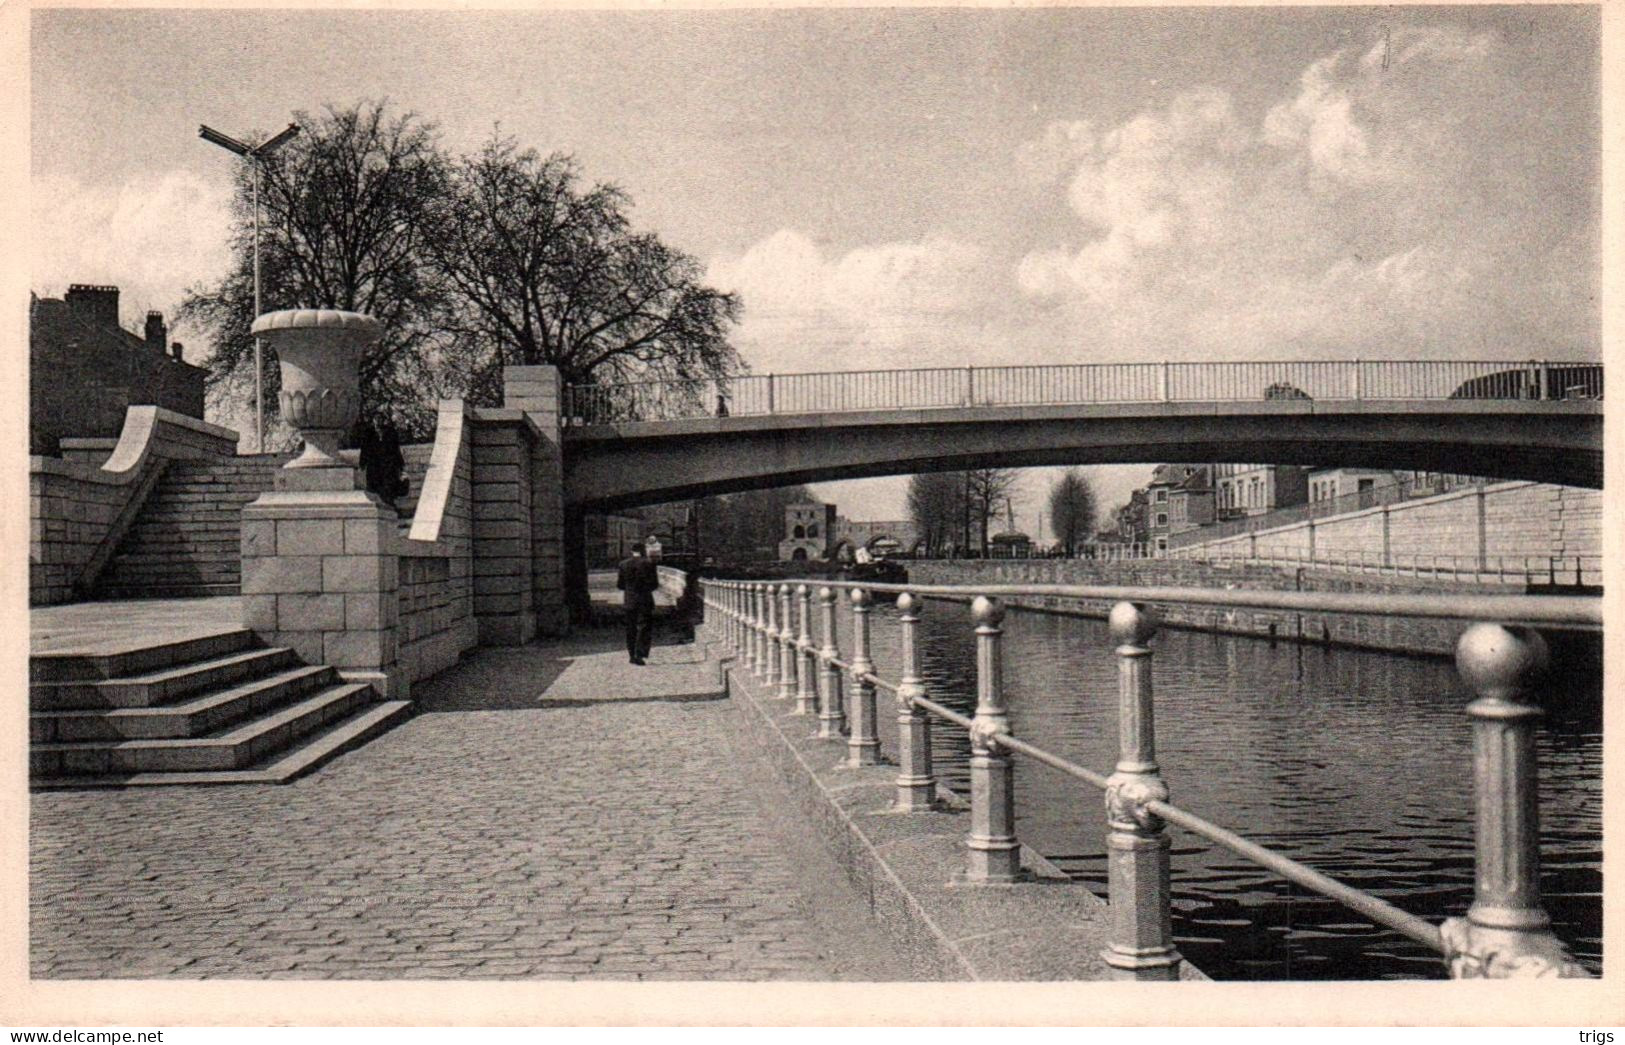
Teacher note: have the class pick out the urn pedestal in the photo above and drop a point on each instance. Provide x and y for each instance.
(320, 562)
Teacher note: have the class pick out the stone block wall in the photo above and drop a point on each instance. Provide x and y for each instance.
(1394, 633)
(323, 581)
(1512, 521)
(536, 391)
(78, 511)
(436, 596)
(504, 601)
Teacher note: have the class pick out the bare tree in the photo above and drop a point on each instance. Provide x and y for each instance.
(551, 272)
(345, 210)
(1072, 509)
(986, 489)
(936, 504)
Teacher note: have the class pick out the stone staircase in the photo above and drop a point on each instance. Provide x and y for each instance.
(186, 541)
(219, 709)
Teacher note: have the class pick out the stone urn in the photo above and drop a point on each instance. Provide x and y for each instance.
(319, 350)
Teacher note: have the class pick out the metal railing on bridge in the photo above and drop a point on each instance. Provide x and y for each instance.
(1078, 384)
(1504, 933)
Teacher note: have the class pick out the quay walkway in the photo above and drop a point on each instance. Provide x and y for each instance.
(549, 812)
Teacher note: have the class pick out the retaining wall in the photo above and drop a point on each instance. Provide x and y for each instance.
(1391, 633)
(78, 510)
(1514, 519)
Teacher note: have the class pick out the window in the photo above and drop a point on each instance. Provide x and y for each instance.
(1162, 518)
(1162, 495)
(812, 531)
(799, 532)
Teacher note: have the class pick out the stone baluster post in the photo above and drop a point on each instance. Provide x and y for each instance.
(1142, 941)
(916, 786)
(995, 853)
(759, 632)
(770, 637)
(787, 643)
(806, 667)
(1507, 933)
(753, 626)
(746, 658)
(831, 715)
(863, 743)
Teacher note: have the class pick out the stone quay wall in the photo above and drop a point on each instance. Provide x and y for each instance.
(1512, 520)
(435, 602)
(78, 510)
(1392, 633)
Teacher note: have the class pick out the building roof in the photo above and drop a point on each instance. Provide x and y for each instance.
(54, 321)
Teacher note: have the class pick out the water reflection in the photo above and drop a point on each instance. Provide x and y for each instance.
(1357, 763)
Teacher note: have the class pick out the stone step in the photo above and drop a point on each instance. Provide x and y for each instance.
(138, 659)
(280, 768)
(162, 686)
(194, 717)
(169, 564)
(237, 747)
(167, 591)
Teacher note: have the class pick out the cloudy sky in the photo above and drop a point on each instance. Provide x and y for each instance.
(921, 188)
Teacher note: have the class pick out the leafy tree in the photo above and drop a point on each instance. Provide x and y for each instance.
(551, 272)
(497, 258)
(747, 526)
(1072, 509)
(345, 211)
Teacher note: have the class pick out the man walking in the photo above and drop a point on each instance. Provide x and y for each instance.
(638, 579)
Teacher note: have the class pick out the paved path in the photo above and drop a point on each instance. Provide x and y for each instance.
(111, 626)
(550, 812)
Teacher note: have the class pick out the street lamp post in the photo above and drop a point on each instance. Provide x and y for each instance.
(255, 155)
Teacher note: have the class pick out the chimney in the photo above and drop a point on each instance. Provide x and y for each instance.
(93, 303)
(157, 334)
(175, 350)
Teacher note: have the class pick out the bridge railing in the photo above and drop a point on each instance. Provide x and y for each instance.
(1504, 933)
(1075, 384)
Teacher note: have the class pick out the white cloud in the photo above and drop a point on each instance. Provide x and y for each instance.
(889, 304)
(152, 237)
(1354, 218)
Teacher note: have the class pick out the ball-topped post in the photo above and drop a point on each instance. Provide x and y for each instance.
(863, 742)
(1137, 846)
(995, 853)
(806, 701)
(1506, 932)
(916, 784)
(831, 715)
(786, 643)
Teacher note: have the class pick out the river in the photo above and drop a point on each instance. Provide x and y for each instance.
(1356, 763)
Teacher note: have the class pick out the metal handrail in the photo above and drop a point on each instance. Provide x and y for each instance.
(1080, 383)
(1567, 610)
(1497, 661)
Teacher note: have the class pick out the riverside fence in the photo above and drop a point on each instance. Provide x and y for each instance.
(1078, 384)
(1505, 933)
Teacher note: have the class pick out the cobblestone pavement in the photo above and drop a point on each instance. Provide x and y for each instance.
(615, 831)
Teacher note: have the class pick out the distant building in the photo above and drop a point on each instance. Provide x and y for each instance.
(1178, 498)
(610, 538)
(1133, 520)
(1328, 484)
(676, 526)
(1253, 489)
(813, 530)
(85, 370)
(809, 531)
(1010, 545)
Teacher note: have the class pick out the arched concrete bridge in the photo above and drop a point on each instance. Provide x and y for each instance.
(1540, 422)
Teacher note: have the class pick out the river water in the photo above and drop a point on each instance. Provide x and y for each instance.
(1356, 763)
